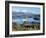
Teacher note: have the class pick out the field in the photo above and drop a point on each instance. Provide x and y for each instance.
(25, 27)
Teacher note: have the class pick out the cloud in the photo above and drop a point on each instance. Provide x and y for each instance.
(34, 10)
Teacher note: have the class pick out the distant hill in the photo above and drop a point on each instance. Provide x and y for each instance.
(21, 17)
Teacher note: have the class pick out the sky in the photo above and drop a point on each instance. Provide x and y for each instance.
(33, 10)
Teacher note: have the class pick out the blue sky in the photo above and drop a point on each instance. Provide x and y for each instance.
(34, 10)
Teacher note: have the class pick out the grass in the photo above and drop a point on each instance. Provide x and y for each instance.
(26, 28)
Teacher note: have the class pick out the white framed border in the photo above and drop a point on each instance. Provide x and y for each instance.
(25, 32)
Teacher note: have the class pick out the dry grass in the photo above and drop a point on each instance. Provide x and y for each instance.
(24, 28)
